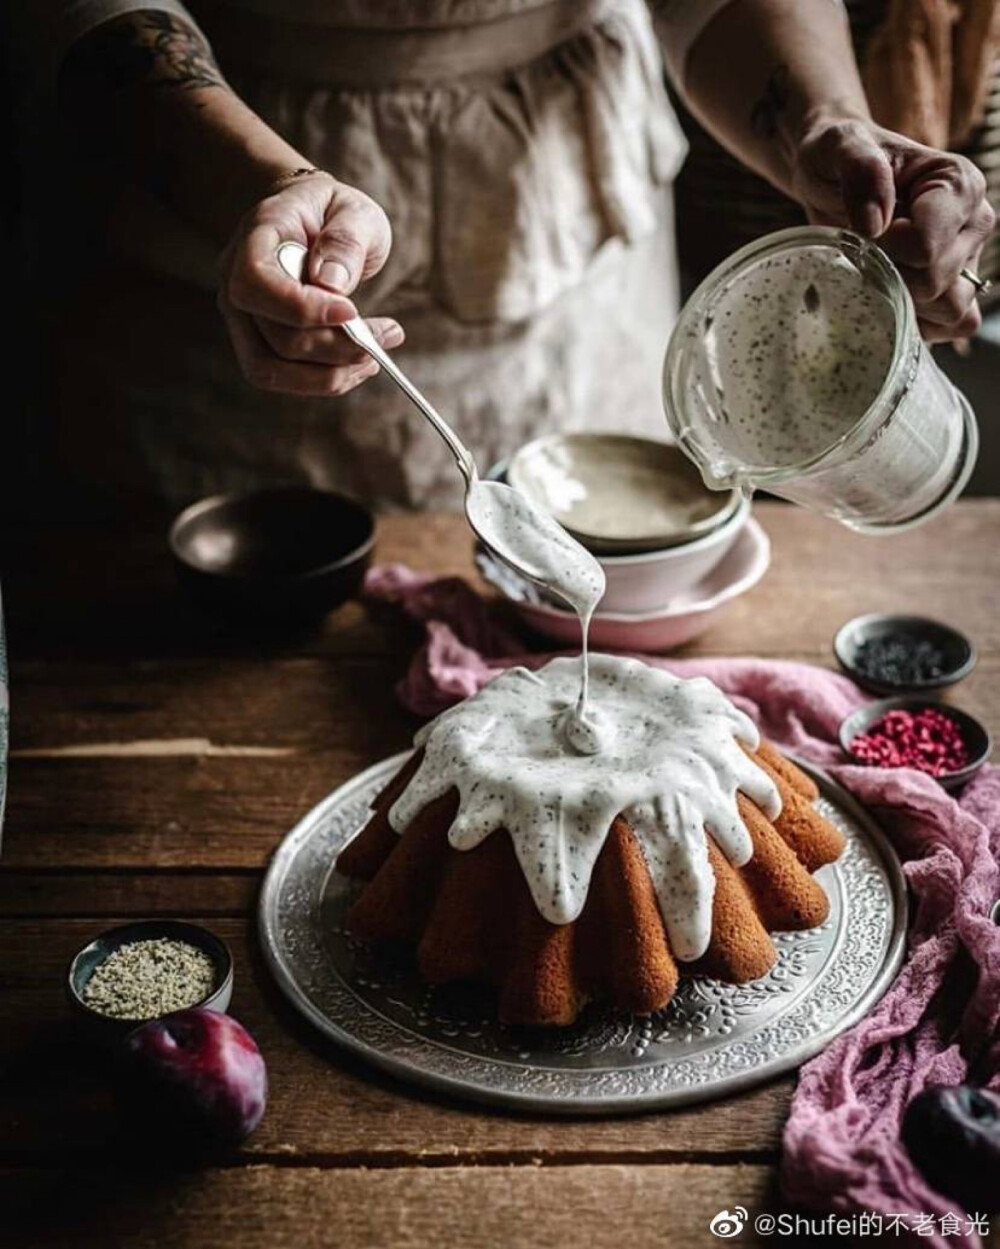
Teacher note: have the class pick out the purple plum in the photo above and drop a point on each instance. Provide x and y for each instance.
(953, 1135)
(196, 1075)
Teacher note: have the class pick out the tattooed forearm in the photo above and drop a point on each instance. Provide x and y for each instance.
(181, 57)
(145, 102)
(116, 83)
(774, 101)
(146, 48)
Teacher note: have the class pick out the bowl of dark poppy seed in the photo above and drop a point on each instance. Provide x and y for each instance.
(890, 654)
(137, 972)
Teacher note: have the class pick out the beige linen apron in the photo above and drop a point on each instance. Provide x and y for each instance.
(524, 152)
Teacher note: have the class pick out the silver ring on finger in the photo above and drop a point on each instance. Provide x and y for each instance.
(982, 285)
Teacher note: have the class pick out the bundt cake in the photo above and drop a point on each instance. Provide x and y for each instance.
(503, 856)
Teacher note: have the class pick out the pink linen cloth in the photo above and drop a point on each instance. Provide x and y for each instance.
(938, 1023)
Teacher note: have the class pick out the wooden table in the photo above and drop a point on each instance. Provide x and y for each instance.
(158, 760)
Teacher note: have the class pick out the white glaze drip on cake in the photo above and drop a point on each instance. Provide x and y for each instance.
(531, 540)
(669, 761)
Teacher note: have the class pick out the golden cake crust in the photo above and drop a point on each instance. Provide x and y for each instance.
(470, 915)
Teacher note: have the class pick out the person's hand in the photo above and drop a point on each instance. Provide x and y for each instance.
(283, 331)
(928, 209)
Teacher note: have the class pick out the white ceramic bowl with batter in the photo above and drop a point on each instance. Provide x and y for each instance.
(655, 579)
(619, 494)
(657, 631)
(650, 580)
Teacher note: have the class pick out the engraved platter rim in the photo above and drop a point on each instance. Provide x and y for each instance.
(724, 1039)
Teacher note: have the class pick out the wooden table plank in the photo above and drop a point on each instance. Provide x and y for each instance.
(324, 1105)
(200, 706)
(100, 591)
(107, 655)
(129, 893)
(192, 708)
(89, 593)
(166, 813)
(187, 810)
(461, 1208)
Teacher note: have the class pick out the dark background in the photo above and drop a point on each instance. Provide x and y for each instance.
(720, 206)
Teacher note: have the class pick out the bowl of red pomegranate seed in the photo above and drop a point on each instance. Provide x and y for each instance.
(913, 732)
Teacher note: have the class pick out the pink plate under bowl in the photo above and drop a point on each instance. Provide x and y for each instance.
(671, 626)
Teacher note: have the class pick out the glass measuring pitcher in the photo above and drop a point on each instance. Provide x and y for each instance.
(797, 367)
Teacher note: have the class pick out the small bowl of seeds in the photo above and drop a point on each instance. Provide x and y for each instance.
(911, 732)
(137, 972)
(891, 654)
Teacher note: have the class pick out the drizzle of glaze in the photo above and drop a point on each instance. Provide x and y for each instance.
(532, 541)
(669, 761)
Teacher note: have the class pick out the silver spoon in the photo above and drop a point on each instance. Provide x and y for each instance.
(292, 258)
(508, 524)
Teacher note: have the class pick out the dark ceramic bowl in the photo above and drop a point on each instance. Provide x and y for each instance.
(289, 552)
(959, 654)
(975, 735)
(109, 1028)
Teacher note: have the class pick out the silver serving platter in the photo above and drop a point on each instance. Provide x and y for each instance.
(712, 1038)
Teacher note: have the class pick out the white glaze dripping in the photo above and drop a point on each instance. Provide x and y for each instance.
(529, 538)
(669, 761)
